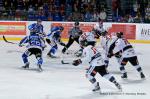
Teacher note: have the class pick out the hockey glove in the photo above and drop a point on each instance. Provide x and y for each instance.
(20, 45)
(106, 63)
(110, 55)
(77, 62)
(118, 54)
(48, 41)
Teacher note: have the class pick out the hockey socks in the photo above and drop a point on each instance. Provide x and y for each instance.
(25, 58)
(95, 83)
(124, 74)
(112, 79)
(139, 69)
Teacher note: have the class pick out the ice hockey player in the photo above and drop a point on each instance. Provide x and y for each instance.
(74, 35)
(98, 28)
(53, 38)
(35, 45)
(104, 42)
(125, 51)
(96, 64)
(90, 37)
(37, 28)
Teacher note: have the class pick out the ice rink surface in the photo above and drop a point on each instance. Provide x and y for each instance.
(59, 81)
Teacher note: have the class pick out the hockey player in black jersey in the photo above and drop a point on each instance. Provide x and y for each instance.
(74, 35)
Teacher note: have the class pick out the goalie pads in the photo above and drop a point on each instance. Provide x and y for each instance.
(77, 62)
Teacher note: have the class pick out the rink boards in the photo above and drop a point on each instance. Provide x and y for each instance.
(136, 33)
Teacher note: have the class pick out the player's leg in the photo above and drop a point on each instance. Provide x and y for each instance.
(135, 63)
(25, 58)
(123, 62)
(52, 51)
(90, 75)
(38, 55)
(68, 45)
(104, 73)
(80, 51)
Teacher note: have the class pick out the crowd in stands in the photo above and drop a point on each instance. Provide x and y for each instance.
(72, 10)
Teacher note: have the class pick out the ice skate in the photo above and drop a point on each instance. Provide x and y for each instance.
(39, 68)
(118, 86)
(97, 87)
(51, 56)
(26, 66)
(142, 75)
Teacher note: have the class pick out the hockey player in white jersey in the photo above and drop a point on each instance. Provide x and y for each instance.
(104, 42)
(89, 36)
(92, 56)
(98, 28)
(124, 49)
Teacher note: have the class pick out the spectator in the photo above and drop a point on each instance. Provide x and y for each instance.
(131, 19)
(71, 10)
(57, 16)
(88, 16)
(103, 15)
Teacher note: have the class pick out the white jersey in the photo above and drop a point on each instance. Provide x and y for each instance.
(92, 56)
(123, 45)
(104, 42)
(89, 36)
(99, 28)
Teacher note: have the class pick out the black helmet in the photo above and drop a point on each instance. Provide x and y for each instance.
(61, 28)
(119, 34)
(76, 23)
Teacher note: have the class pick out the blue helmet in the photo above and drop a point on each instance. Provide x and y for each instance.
(61, 28)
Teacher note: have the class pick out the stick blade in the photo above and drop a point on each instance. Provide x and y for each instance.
(64, 62)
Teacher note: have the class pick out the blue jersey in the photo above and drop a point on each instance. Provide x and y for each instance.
(34, 41)
(37, 28)
(55, 34)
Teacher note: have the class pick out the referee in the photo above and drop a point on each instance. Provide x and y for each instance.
(74, 35)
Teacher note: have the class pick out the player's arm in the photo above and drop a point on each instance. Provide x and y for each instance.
(86, 58)
(47, 38)
(31, 27)
(23, 41)
(118, 48)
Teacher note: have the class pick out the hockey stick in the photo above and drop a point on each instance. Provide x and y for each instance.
(7, 40)
(62, 61)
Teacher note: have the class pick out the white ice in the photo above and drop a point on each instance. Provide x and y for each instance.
(59, 81)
